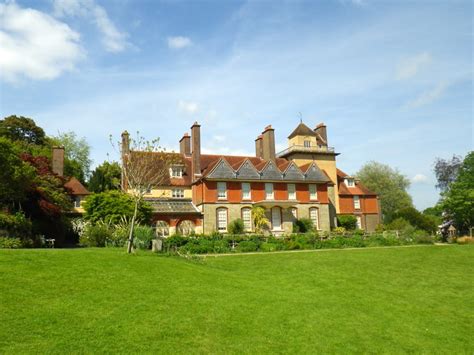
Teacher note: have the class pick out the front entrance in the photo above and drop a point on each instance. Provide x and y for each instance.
(276, 218)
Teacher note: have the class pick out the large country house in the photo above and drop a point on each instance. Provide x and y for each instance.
(204, 192)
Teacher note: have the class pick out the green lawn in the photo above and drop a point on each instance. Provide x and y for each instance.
(394, 300)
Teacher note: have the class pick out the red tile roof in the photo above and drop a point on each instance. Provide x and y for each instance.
(75, 187)
(358, 189)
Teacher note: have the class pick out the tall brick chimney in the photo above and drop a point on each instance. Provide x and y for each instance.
(185, 145)
(58, 161)
(321, 130)
(268, 143)
(258, 147)
(196, 153)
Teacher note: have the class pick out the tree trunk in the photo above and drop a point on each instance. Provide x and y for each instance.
(132, 226)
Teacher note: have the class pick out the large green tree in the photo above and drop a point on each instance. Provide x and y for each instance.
(111, 206)
(24, 129)
(16, 176)
(389, 184)
(77, 160)
(458, 200)
(105, 177)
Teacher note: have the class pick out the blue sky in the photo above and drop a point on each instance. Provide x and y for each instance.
(393, 81)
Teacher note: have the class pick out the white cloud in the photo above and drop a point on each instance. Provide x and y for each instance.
(112, 38)
(35, 45)
(178, 42)
(188, 106)
(428, 96)
(219, 138)
(419, 178)
(409, 67)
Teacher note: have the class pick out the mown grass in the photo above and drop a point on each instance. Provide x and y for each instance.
(394, 300)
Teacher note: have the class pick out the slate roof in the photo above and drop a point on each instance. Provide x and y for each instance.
(302, 130)
(75, 187)
(164, 206)
(358, 189)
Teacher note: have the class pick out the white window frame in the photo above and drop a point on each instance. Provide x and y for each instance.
(279, 227)
(247, 218)
(77, 202)
(294, 212)
(221, 190)
(269, 191)
(177, 193)
(291, 191)
(356, 202)
(246, 193)
(221, 224)
(307, 144)
(314, 220)
(176, 172)
(359, 222)
(350, 182)
(313, 195)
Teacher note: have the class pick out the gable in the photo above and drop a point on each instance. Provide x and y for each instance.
(315, 174)
(222, 170)
(270, 172)
(247, 171)
(293, 173)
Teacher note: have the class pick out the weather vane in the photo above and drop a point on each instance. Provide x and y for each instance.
(301, 117)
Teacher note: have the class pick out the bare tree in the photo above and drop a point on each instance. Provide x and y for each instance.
(145, 164)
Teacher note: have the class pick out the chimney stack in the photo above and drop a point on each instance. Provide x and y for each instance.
(58, 161)
(196, 153)
(185, 145)
(268, 143)
(258, 147)
(321, 130)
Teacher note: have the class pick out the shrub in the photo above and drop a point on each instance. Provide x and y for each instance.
(247, 246)
(96, 235)
(15, 225)
(349, 222)
(465, 240)
(236, 226)
(143, 235)
(303, 225)
(398, 224)
(417, 219)
(339, 230)
(10, 243)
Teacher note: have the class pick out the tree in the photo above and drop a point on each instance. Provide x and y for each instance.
(389, 184)
(111, 206)
(458, 200)
(349, 222)
(105, 177)
(260, 221)
(144, 165)
(77, 160)
(446, 171)
(418, 220)
(24, 129)
(16, 176)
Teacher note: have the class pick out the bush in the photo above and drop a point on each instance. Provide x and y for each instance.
(236, 226)
(96, 235)
(143, 236)
(247, 246)
(349, 222)
(10, 243)
(339, 230)
(15, 225)
(303, 225)
(465, 240)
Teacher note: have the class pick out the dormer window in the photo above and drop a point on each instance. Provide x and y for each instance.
(350, 182)
(176, 171)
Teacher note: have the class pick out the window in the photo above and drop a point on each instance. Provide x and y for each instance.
(359, 222)
(268, 191)
(350, 182)
(222, 219)
(176, 171)
(313, 192)
(247, 218)
(357, 202)
(162, 229)
(294, 212)
(276, 218)
(148, 190)
(77, 202)
(314, 216)
(246, 195)
(177, 193)
(291, 192)
(221, 190)
(307, 144)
